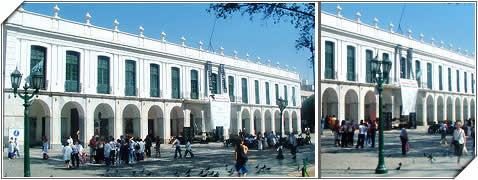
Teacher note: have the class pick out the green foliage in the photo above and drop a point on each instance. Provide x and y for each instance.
(301, 15)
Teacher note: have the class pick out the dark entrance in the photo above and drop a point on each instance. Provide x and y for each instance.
(129, 127)
(151, 126)
(75, 122)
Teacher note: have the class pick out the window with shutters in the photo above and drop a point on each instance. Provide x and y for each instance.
(37, 55)
(256, 86)
(457, 80)
(230, 80)
(465, 77)
(429, 76)
(329, 60)
(194, 85)
(449, 79)
(285, 93)
(350, 63)
(72, 82)
(402, 67)
(268, 100)
(130, 78)
(103, 86)
(277, 94)
(418, 73)
(293, 96)
(175, 88)
(384, 57)
(440, 78)
(368, 66)
(244, 90)
(154, 89)
(214, 83)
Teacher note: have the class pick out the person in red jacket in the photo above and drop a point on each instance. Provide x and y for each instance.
(92, 145)
(336, 129)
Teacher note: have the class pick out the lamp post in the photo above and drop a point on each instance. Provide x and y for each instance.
(380, 79)
(35, 83)
(282, 105)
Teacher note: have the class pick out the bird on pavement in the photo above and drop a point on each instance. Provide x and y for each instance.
(216, 175)
(263, 167)
(212, 172)
(268, 168)
(202, 171)
(207, 169)
(258, 171)
(134, 171)
(349, 168)
(148, 173)
(176, 173)
(188, 171)
(399, 166)
(204, 175)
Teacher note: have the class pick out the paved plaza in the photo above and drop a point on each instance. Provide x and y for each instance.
(352, 162)
(212, 155)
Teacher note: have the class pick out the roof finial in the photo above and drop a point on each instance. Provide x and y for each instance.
(222, 50)
(391, 27)
(375, 22)
(442, 43)
(358, 16)
(116, 23)
(141, 29)
(88, 17)
(56, 9)
(338, 10)
(163, 36)
(182, 40)
(235, 54)
(433, 41)
(258, 60)
(200, 45)
(421, 37)
(410, 33)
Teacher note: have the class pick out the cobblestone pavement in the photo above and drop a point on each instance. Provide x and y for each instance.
(212, 155)
(352, 162)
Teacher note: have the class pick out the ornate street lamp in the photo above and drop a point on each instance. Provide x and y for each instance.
(380, 77)
(36, 80)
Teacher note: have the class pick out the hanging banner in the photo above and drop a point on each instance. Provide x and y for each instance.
(220, 110)
(409, 95)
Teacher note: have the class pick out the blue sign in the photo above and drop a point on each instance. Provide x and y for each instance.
(16, 132)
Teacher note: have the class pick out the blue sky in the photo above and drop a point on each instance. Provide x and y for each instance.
(258, 38)
(451, 22)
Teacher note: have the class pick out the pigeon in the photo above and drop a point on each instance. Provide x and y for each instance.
(268, 168)
(258, 171)
(212, 172)
(389, 155)
(188, 171)
(207, 169)
(257, 166)
(399, 166)
(148, 173)
(188, 174)
(263, 167)
(176, 173)
(349, 168)
(51, 175)
(204, 175)
(134, 171)
(202, 171)
(217, 174)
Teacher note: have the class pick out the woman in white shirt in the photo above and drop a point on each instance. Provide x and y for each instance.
(67, 154)
(459, 140)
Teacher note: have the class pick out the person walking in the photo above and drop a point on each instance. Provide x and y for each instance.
(158, 147)
(112, 151)
(92, 146)
(293, 144)
(45, 147)
(16, 148)
(75, 159)
(343, 134)
(459, 141)
(177, 144)
(336, 130)
(259, 141)
(361, 136)
(373, 132)
(443, 134)
(107, 153)
(188, 150)
(404, 139)
(148, 144)
(141, 149)
(11, 149)
(67, 154)
(241, 158)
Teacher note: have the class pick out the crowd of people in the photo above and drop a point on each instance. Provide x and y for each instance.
(345, 131)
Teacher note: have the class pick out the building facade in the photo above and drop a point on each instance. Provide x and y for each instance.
(445, 76)
(105, 81)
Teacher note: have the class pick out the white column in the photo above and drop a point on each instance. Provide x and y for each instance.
(56, 122)
(203, 121)
(167, 125)
(118, 121)
(187, 118)
(143, 123)
(263, 124)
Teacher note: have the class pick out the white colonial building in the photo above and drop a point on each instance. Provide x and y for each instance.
(445, 75)
(115, 83)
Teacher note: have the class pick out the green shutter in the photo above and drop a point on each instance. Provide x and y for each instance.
(449, 79)
(329, 60)
(457, 81)
(130, 78)
(154, 80)
(72, 81)
(175, 83)
(368, 67)
(38, 54)
(277, 94)
(268, 100)
(256, 85)
(384, 57)
(230, 80)
(429, 76)
(194, 85)
(103, 86)
(244, 90)
(417, 69)
(440, 78)
(465, 82)
(214, 83)
(285, 93)
(402, 67)
(293, 96)
(350, 63)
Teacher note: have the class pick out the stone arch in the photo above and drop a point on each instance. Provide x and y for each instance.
(286, 122)
(430, 110)
(277, 122)
(176, 121)
(449, 109)
(440, 109)
(268, 121)
(370, 106)
(246, 120)
(131, 121)
(458, 116)
(295, 123)
(351, 105)
(420, 107)
(465, 109)
(330, 102)
(72, 120)
(156, 121)
(104, 118)
(257, 122)
(40, 122)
